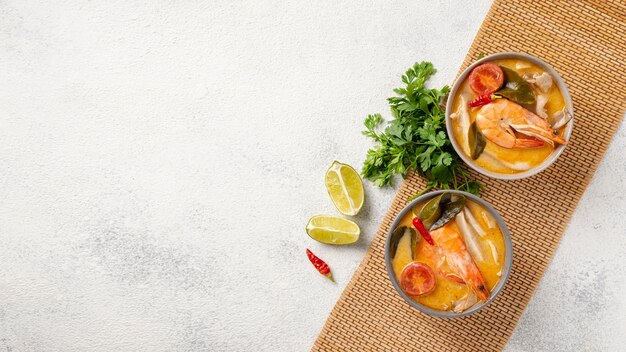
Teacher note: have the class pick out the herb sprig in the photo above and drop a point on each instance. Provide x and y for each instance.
(416, 138)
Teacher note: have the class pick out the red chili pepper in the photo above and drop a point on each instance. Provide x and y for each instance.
(320, 265)
(483, 100)
(419, 225)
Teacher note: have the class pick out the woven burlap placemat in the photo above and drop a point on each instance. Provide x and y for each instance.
(586, 42)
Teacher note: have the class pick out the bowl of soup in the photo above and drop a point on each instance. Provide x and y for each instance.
(448, 253)
(509, 115)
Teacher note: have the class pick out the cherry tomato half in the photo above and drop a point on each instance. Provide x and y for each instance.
(417, 279)
(486, 78)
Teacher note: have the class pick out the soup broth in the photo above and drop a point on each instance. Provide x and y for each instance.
(497, 158)
(450, 292)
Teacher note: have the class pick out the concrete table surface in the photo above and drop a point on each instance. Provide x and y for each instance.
(159, 162)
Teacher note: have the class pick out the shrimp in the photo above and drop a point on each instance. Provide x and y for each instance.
(460, 261)
(499, 119)
(436, 260)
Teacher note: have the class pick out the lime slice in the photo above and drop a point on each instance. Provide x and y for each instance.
(345, 188)
(332, 229)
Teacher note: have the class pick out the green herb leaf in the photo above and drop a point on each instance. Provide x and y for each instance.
(450, 209)
(476, 140)
(516, 88)
(416, 138)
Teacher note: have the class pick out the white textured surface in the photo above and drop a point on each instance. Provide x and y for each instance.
(159, 163)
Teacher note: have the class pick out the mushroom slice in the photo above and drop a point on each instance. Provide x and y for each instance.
(542, 100)
(462, 117)
(560, 118)
(465, 302)
(543, 81)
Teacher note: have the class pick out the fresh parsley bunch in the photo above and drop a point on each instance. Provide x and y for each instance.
(416, 138)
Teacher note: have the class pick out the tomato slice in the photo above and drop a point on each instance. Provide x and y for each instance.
(486, 78)
(417, 279)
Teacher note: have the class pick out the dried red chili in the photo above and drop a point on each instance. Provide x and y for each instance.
(320, 265)
(419, 225)
(483, 100)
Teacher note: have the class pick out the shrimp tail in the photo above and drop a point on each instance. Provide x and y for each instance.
(528, 143)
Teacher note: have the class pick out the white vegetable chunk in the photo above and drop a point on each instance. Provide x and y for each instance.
(463, 120)
(494, 252)
(465, 302)
(543, 81)
(471, 241)
(488, 220)
(471, 220)
(542, 100)
(560, 118)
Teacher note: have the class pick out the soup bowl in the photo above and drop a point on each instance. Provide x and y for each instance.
(557, 150)
(506, 270)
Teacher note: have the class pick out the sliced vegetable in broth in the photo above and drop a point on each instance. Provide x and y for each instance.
(516, 88)
(397, 235)
(417, 279)
(449, 211)
(486, 78)
(395, 239)
(431, 211)
(477, 141)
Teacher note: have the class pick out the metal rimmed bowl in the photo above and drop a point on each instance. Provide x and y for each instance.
(508, 259)
(558, 149)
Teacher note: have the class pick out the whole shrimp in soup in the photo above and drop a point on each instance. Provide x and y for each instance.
(499, 120)
(460, 261)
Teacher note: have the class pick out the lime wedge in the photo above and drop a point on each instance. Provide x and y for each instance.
(332, 230)
(345, 188)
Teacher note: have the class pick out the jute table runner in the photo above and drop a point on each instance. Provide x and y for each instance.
(586, 42)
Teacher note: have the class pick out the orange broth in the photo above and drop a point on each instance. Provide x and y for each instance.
(446, 291)
(534, 156)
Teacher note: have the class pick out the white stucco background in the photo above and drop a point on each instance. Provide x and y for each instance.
(159, 161)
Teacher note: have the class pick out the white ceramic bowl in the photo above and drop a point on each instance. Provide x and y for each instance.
(558, 150)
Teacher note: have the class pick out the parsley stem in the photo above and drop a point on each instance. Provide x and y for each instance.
(425, 190)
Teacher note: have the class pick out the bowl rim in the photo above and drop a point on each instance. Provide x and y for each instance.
(566, 96)
(508, 260)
